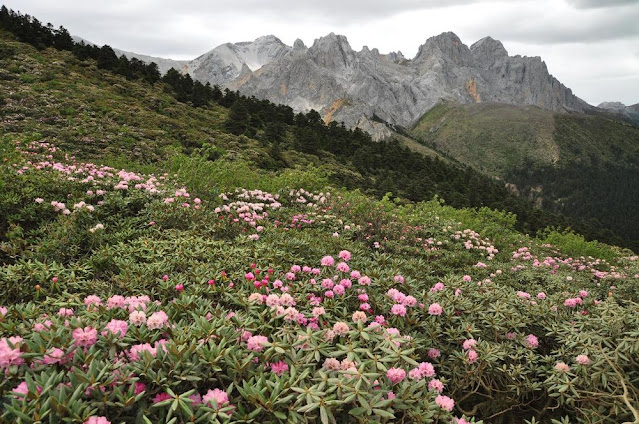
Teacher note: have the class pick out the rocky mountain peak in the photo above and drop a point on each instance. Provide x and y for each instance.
(299, 45)
(447, 46)
(333, 51)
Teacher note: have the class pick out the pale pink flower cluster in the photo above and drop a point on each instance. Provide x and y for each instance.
(220, 397)
(97, 420)
(435, 309)
(340, 328)
(445, 403)
(85, 337)
(395, 375)
(256, 343)
(117, 327)
(583, 360)
(157, 320)
(437, 287)
(10, 352)
(425, 369)
(532, 341)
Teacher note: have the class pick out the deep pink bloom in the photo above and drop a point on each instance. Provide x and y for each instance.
(161, 397)
(279, 367)
(472, 356)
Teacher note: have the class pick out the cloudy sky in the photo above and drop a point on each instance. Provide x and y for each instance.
(592, 46)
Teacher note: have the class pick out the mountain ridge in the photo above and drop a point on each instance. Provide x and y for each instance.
(367, 89)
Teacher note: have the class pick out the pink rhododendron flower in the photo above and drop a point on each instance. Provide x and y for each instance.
(137, 318)
(583, 360)
(256, 343)
(541, 295)
(426, 369)
(3, 311)
(469, 343)
(359, 316)
(327, 261)
(435, 309)
(220, 397)
(437, 287)
(117, 327)
(116, 301)
(395, 375)
(54, 356)
(340, 328)
(279, 368)
(157, 320)
(21, 388)
(85, 337)
(161, 397)
(472, 356)
(399, 310)
(345, 255)
(343, 267)
(98, 420)
(532, 341)
(434, 353)
(445, 402)
(562, 367)
(332, 364)
(364, 281)
(398, 279)
(436, 385)
(92, 300)
(339, 290)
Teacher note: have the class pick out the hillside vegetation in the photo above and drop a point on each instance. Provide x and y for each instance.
(238, 263)
(582, 166)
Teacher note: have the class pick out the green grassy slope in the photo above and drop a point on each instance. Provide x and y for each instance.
(583, 166)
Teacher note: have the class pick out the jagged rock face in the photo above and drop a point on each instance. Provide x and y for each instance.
(225, 63)
(353, 87)
(362, 88)
(629, 112)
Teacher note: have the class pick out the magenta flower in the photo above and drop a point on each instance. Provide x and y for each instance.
(279, 368)
(161, 397)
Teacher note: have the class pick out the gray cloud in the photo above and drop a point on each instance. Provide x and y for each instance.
(596, 37)
(599, 4)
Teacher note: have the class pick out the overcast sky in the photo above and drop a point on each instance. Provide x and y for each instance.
(592, 46)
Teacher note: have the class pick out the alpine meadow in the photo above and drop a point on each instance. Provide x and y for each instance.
(275, 234)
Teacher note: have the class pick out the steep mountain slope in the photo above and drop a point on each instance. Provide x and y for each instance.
(360, 88)
(229, 61)
(582, 165)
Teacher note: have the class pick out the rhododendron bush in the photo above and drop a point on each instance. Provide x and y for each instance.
(127, 298)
